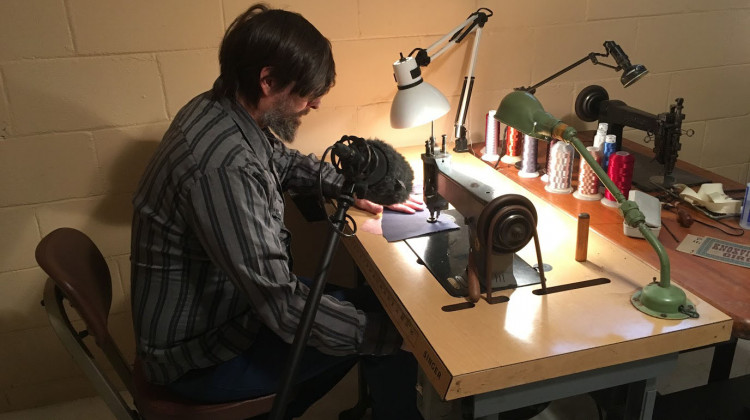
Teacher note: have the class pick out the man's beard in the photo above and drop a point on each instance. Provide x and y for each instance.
(283, 122)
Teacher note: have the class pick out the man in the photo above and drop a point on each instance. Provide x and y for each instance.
(215, 303)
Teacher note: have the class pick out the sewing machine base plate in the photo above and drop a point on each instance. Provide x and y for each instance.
(646, 167)
(446, 254)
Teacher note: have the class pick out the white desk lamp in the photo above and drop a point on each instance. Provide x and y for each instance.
(418, 102)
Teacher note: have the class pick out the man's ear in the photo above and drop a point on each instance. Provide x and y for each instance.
(267, 82)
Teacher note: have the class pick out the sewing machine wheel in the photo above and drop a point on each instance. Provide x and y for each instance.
(514, 218)
(588, 100)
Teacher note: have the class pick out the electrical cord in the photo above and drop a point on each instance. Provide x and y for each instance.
(737, 231)
(669, 231)
(685, 220)
(501, 146)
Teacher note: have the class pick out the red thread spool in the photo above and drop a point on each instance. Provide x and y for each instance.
(513, 142)
(620, 171)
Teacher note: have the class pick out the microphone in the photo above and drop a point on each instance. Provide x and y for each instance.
(380, 173)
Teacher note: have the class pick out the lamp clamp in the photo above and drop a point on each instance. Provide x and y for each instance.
(480, 20)
(593, 55)
(422, 58)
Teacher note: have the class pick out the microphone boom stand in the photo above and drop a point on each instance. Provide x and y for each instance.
(338, 221)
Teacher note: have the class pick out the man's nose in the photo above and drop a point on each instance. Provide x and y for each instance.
(314, 104)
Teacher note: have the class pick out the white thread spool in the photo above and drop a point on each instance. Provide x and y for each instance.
(601, 135)
(491, 137)
(560, 169)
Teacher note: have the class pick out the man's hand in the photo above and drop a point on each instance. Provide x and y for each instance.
(412, 205)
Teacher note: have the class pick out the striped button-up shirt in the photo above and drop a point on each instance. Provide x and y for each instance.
(210, 252)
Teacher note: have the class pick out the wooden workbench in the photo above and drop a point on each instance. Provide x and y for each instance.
(530, 338)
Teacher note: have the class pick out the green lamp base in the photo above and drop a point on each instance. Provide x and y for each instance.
(663, 302)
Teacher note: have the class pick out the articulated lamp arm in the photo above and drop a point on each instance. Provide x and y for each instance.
(631, 73)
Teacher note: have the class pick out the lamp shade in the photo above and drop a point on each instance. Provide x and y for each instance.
(523, 111)
(416, 102)
(632, 74)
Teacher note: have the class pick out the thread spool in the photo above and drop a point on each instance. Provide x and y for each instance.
(491, 137)
(745, 213)
(529, 166)
(588, 182)
(610, 147)
(620, 171)
(601, 135)
(513, 141)
(560, 169)
(550, 144)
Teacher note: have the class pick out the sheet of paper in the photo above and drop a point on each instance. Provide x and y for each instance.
(716, 249)
(399, 226)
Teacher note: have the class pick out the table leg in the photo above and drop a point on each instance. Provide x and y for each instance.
(640, 400)
(721, 364)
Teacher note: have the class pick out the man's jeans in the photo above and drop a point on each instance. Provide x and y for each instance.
(256, 372)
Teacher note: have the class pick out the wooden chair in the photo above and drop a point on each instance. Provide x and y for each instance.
(78, 272)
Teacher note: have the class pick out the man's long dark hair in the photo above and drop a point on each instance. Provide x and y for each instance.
(297, 53)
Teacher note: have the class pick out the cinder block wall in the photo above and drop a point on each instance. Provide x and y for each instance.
(87, 88)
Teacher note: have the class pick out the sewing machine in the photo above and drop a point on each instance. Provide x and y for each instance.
(593, 104)
(494, 226)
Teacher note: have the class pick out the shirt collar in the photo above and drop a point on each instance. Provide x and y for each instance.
(249, 128)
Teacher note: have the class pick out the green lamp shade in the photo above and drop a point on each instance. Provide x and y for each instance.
(523, 111)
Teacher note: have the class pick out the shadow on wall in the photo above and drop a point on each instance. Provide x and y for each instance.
(112, 217)
(63, 185)
(123, 173)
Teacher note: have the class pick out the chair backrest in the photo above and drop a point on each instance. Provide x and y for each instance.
(78, 268)
(79, 273)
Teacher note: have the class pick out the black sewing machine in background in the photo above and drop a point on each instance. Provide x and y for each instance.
(649, 173)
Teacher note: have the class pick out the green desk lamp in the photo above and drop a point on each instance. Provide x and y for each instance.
(522, 111)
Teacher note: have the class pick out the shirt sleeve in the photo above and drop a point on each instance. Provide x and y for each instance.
(299, 172)
(238, 221)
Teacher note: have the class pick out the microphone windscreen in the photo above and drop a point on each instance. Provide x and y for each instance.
(395, 184)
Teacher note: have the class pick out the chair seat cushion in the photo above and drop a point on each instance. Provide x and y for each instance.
(155, 402)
